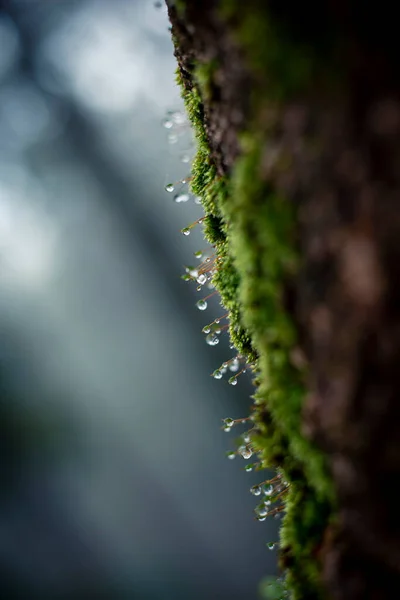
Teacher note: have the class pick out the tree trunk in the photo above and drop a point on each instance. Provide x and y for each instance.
(340, 131)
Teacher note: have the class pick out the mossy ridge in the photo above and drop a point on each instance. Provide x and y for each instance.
(255, 241)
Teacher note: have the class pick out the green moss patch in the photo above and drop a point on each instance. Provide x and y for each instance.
(253, 230)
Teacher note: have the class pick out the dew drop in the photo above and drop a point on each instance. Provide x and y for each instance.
(261, 519)
(181, 198)
(168, 124)
(246, 438)
(246, 453)
(234, 366)
(229, 422)
(271, 545)
(197, 200)
(255, 490)
(172, 138)
(185, 158)
(198, 254)
(206, 329)
(186, 277)
(178, 118)
(227, 429)
(231, 455)
(201, 279)
(248, 468)
(268, 490)
(186, 231)
(232, 380)
(201, 304)
(169, 187)
(212, 339)
(217, 374)
(262, 511)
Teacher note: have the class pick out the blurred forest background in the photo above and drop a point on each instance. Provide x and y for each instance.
(114, 481)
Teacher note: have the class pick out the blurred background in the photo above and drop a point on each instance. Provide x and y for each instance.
(114, 480)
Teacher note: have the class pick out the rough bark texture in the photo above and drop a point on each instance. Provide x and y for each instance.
(347, 299)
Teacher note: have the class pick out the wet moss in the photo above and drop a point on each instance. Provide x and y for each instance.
(253, 228)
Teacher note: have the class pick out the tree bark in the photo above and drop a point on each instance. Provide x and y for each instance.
(346, 300)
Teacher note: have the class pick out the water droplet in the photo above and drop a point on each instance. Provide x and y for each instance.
(172, 138)
(231, 346)
(246, 438)
(212, 339)
(198, 254)
(227, 429)
(268, 489)
(186, 277)
(234, 366)
(262, 511)
(231, 455)
(267, 502)
(246, 452)
(248, 468)
(217, 374)
(255, 490)
(271, 545)
(178, 117)
(201, 279)
(186, 231)
(168, 124)
(217, 321)
(201, 304)
(232, 380)
(206, 329)
(261, 519)
(208, 259)
(181, 198)
(229, 422)
(169, 187)
(223, 370)
(185, 158)
(278, 516)
(197, 200)
(218, 332)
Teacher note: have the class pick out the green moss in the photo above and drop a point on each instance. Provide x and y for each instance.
(253, 229)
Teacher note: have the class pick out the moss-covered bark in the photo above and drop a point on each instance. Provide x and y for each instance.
(296, 110)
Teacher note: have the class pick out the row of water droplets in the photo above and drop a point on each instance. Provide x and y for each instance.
(272, 491)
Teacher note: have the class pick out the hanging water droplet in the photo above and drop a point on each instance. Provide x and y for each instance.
(278, 516)
(232, 380)
(234, 366)
(262, 511)
(178, 117)
(185, 158)
(246, 452)
(217, 374)
(186, 277)
(201, 279)
(271, 545)
(218, 332)
(261, 519)
(186, 231)
(229, 422)
(169, 187)
(212, 340)
(181, 198)
(268, 489)
(267, 502)
(201, 304)
(168, 124)
(217, 321)
(206, 329)
(248, 468)
(198, 254)
(210, 285)
(246, 438)
(172, 138)
(197, 200)
(231, 455)
(255, 490)
(231, 346)
(227, 429)
(223, 370)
